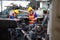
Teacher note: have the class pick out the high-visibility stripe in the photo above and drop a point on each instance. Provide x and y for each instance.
(31, 16)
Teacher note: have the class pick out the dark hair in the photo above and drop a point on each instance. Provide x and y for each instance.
(45, 11)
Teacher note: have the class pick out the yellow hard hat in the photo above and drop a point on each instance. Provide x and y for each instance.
(16, 11)
(30, 8)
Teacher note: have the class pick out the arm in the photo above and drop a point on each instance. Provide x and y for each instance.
(35, 16)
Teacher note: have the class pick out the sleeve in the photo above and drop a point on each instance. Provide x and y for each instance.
(35, 15)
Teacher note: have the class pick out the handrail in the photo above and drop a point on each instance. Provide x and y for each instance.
(44, 20)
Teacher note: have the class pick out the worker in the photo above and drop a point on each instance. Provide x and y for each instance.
(16, 12)
(32, 17)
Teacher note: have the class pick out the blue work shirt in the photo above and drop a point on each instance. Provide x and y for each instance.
(11, 17)
(35, 15)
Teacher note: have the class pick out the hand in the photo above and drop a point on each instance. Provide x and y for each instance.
(33, 19)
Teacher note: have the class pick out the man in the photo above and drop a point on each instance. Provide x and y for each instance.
(32, 17)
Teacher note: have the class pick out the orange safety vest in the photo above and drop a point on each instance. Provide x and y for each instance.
(31, 16)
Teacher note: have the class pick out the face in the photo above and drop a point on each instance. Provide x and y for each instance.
(15, 14)
(30, 12)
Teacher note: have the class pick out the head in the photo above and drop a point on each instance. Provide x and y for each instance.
(16, 11)
(15, 15)
(30, 12)
(45, 11)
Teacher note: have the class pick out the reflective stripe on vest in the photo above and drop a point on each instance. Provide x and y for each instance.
(31, 16)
